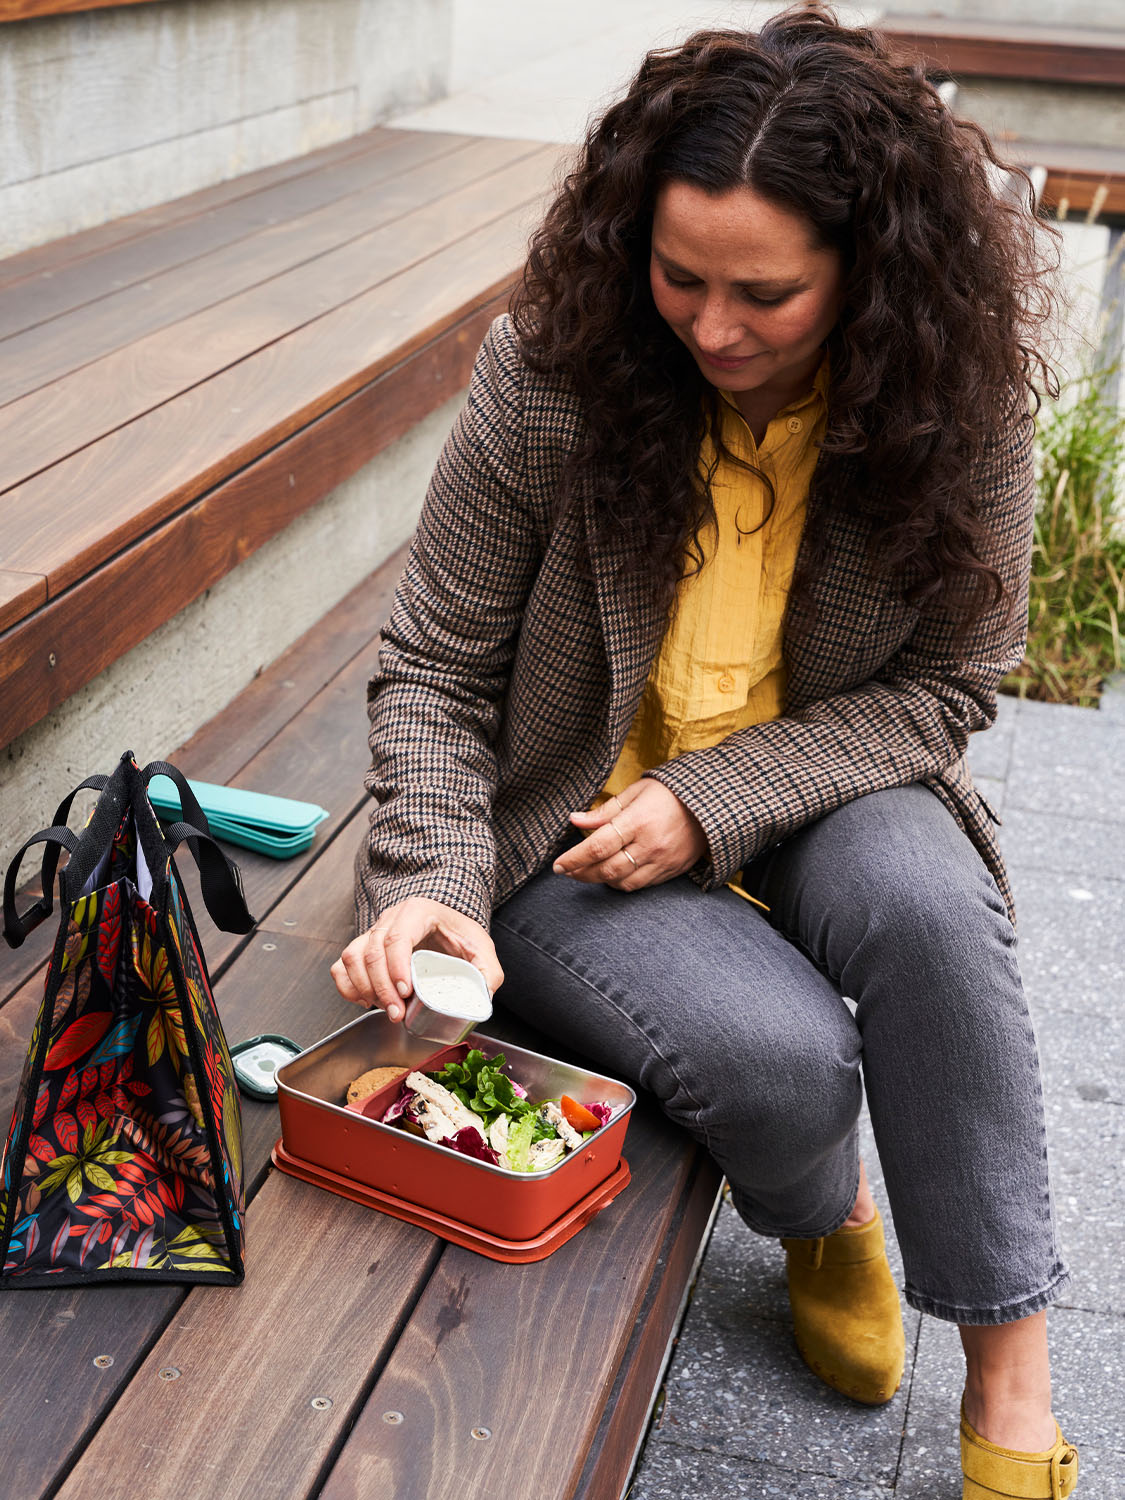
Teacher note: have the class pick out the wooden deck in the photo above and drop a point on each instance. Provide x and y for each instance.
(362, 1356)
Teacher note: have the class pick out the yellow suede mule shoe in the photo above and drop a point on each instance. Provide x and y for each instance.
(993, 1473)
(846, 1314)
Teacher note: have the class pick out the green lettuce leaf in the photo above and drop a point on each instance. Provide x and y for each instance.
(520, 1137)
(480, 1085)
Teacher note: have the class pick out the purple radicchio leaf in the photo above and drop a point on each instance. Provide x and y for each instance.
(400, 1106)
(470, 1142)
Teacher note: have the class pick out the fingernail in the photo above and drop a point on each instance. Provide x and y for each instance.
(556, 868)
(394, 1011)
(403, 988)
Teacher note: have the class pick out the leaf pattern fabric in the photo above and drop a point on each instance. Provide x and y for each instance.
(124, 1155)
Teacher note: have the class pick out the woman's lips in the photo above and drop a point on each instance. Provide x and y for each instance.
(725, 364)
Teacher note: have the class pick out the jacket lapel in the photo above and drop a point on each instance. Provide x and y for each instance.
(631, 625)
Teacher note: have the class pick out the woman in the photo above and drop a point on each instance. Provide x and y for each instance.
(720, 568)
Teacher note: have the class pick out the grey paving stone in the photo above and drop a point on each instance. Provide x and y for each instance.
(739, 1388)
(990, 751)
(1086, 1141)
(1088, 1364)
(1067, 760)
(669, 1472)
(1060, 841)
(1082, 1057)
(1113, 697)
(1072, 941)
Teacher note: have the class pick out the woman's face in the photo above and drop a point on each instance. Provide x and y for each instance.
(745, 286)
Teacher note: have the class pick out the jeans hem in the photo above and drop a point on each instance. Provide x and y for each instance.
(772, 1232)
(1007, 1312)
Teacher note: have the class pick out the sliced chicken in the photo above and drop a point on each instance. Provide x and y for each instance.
(498, 1134)
(545, 1154)
(554, 1116)
(435, 1123)
(447, 1102)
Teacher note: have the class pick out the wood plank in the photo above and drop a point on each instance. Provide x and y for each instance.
(146, 471)
(482, 1332)
(80, 282)
(327, 1285)
(47, 426)
(54, 1393)
(970, 49)
(51, 351)
(22, 10)
(323, 908)
(43, 263)
(626, 1410)
(285, 989)
(91, 624)
(20, 593)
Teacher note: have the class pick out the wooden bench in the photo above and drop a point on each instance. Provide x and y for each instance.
(960, 47)
(558, 1360)
(1076, 178)
(177, 386)
(206, 1392)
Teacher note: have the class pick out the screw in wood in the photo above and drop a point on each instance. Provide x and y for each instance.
(269, 947)
(103, 1361)
(481, 1433)
(393, 1418)
(52, 659)
(169, 1372)
(321, 1403)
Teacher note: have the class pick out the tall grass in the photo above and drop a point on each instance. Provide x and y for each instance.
(1077, 607)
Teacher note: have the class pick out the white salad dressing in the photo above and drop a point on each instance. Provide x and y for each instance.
(453, 995)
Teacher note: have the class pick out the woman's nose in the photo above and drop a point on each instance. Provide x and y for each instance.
(717, 328)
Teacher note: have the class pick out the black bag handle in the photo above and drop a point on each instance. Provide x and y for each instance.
(17, 928)
(190, 810)
(219, 877)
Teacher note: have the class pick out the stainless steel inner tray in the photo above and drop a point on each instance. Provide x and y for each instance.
(322, 1072)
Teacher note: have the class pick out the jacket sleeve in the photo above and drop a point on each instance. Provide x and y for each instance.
(910, 721)
(436, 698)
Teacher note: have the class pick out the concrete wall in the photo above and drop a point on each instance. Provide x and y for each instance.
(157, 695)
(106, 112)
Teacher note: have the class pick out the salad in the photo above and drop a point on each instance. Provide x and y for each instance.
(475, 1108)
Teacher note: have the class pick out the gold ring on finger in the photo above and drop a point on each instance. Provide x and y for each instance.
(619, 834)
(630, 858)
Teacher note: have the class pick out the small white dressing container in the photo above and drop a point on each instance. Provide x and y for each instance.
(450, 997)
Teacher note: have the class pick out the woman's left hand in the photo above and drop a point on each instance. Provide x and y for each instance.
(642, 836)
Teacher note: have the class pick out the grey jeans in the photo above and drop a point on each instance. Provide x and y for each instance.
(736, 1023)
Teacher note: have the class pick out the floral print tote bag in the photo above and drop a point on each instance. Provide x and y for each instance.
(124, 1156)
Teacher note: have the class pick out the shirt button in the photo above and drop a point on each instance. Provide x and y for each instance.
(794, 424)
(726, 683)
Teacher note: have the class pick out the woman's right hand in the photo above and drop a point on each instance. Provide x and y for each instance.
(374, 969)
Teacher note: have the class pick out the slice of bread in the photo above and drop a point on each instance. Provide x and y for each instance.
(374, 1080)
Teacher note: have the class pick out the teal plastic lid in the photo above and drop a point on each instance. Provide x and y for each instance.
(233, 806)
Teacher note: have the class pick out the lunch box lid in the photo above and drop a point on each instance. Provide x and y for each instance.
(234, 805)
(468, 1236)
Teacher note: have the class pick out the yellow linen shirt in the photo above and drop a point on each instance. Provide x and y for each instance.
(720, 665)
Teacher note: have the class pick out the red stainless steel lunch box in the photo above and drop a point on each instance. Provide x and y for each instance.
(323, 1139)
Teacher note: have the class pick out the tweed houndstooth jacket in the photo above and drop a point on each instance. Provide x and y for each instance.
(507, 680)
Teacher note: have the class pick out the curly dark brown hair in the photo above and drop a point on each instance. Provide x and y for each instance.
(946, 292)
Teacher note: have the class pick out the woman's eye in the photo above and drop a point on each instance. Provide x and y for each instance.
(674, 281)
(763, 301)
